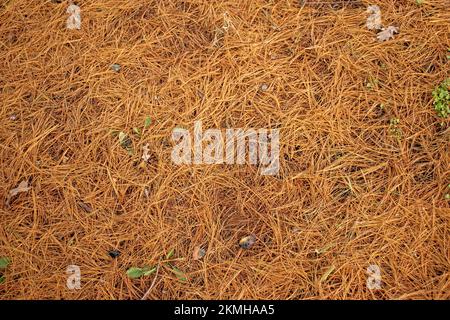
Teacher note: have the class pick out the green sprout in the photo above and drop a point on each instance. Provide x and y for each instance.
(4, 262)
(135, 272)
(441, 98)
(394, 129)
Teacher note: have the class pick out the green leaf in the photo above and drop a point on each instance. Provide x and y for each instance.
(147, 122)
(170, 254)
(137, 131)
(2, 279)
(135, 273)
(149, 271)
(180, 274)
(125, 142)
(4, 262)
(441, 98)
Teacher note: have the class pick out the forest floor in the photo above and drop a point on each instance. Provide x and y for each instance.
(359, 208)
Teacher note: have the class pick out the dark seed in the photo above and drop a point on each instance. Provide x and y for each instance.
(114, 253)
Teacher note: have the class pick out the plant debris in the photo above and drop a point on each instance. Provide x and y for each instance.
(179, 274)
(327, 273)
(85, 206)
(147, 192)
(116, 67)
(198, 253)
(324, 249)
(170, 254)
(264, 87)
(22, 187)
(145, 153)
(74, 20)
(125, 142)
(374, 20)
(374, 23)
(387, 33)
(220, 32)
(247, 242)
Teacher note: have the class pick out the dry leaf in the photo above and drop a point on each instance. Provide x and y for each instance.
(198, 253)
(145, 155)
(74, 20)
(142, 165)
(86, 207)
(147, 192)
(374, 20)
(220, 32)
(264, 87)
(22, 187)
(64, 159)
(387, 33)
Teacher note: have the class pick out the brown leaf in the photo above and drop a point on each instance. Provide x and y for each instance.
(387, 33)
(22, 187)
(247, 242)
(145, 153)
(86, 207)
(374, 20)
(198, 253)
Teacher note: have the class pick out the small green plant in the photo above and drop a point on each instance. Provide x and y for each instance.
(178, 273)
(125, 142)
(147, 123)
(4, 262)
(441, 98)
(394, 130)
(170, 254)
(372, 83)
(135, 272)
(137, 131)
